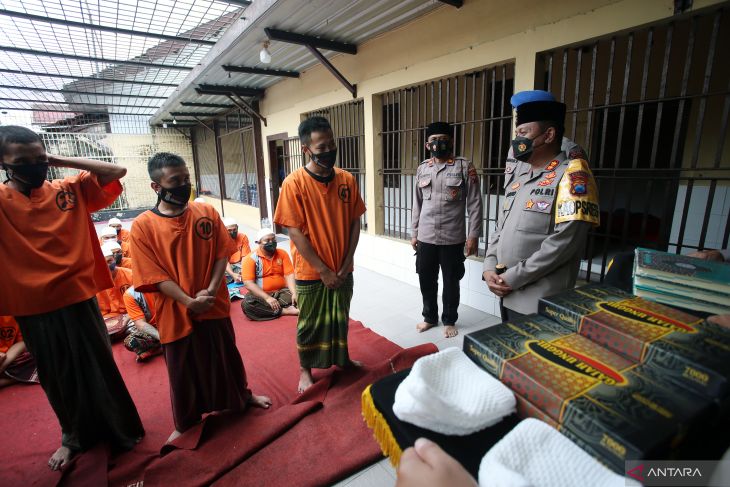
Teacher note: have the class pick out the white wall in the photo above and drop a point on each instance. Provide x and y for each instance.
(395, 259)
(696, 215)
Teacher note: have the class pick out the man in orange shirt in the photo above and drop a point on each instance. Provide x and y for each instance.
(122, 235)
(180, 249)
(269, 277)
(321, 206)
(242, 249)
(119, 258)
(144, 340)
(111, 301)
(16, 364)
(107, 234)
(53, 269)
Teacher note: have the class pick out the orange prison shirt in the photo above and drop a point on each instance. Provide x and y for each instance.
(126, 263)
(134, 310)
(50, 255)
(323, 212)
(126, 249)
(182, 249)
(242, 248)
(273, 269)
(123, 235)
(9, 333)
(111, 301)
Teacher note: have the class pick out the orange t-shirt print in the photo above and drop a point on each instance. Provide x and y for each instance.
(242, 248)
(111, 301)
(9, 333)
(135, 312)
(51, 258)
(323, 212)
(273, 270)
(182, 249)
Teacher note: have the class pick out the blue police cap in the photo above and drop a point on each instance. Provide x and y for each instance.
(530, 96)
(536, 106)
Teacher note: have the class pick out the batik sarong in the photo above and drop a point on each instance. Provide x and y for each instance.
(323, 324)
(258, 309)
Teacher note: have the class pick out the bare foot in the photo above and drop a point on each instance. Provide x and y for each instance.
(60, 458)
(260, 401)
(174, 436)
(423, 326)
(450, 331)
(305, 380)
(290, 311)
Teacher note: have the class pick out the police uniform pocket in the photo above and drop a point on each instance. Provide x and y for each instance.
(534, 221)
(454, 189)
(426, 187)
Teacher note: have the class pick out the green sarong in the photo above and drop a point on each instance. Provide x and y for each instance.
(323, 323)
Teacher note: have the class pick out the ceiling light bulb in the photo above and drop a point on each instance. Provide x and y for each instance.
(174, 121)
(164, 125)
(265, 55)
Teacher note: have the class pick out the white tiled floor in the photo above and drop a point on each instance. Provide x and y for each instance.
(392, 309)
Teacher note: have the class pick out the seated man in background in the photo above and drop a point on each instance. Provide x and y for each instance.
(119, 258)
(268, 275)
(143, 339)
(16, 364)
(242, 249)
(111, 301)
(107, 234)
(122, 235)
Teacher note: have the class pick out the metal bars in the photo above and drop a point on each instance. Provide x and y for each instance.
(130, 151)
(651, 109)
(230, 161)
(477, 105)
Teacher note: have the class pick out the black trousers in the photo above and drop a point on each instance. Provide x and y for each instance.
(450, 259)
(77, 371)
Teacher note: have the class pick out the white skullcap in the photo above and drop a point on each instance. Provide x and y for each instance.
(107, 250)
(229, 221)
(108, 232)
(263, 233)
(115, 221)
(199, 199)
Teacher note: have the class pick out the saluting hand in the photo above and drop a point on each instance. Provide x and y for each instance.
(496, 284)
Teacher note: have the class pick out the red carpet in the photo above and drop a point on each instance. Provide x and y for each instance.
(316, 439)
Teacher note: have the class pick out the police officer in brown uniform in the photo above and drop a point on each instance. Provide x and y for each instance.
(446, 187)
(551, 201)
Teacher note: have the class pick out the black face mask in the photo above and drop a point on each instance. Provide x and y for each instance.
(440, 149)
(270, 247)
(118, 258)
(31, 175)
(325, 159)
(233, 234)
(112, 266)
(522, 147)
(178, 196)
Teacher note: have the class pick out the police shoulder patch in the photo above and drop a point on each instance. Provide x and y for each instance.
(577, 198)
